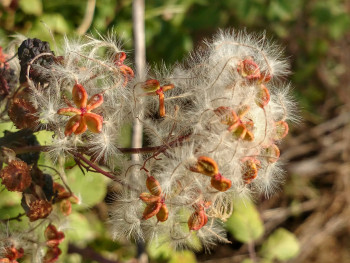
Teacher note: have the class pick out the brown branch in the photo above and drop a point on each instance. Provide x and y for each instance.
(5, 140)
(92, 165)
(17, 218)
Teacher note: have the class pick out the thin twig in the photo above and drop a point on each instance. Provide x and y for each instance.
(17, 218)
(92, 165)
(87, 20)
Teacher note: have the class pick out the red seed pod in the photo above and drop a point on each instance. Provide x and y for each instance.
(250, 170)
(66, 207)
(220, 183)
(265, 77)
(60, 191)
(249, 69)
(272, 153)
(239, 131)
(52, 255)
(16, 176)
(197, 220)
(151, 210)
(227, 115)
(149, 198)
(79, 95)
(74, 199)
(281, 130)
(262, 96)
(163, 213)
(153, 186)
(12, 254)
(249, 136)
(205, 165)
(53, 236)
(243, 110)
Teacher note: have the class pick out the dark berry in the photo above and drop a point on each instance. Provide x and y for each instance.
(27, 51)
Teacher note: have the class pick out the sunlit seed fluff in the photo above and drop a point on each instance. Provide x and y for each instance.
(210, 79)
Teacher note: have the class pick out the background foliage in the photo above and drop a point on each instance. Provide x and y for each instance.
(316, 36)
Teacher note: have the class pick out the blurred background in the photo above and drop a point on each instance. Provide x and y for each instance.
(308, 220)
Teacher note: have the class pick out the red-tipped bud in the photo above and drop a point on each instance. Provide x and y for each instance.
(153, 186)
(272, 153)
(206, 166)
(250, 170)
(281, 130)
(220, 183)
(249, 69)
(262, 96)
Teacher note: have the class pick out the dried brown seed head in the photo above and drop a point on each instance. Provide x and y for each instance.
(22, 114)
(39, 209)
(16, 176)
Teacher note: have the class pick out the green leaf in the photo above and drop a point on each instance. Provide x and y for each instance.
(8, 198)
(31, 7)
(183, 256)
(164, 252)
(10, 211)
(281, 245)
(245, 223)
(79, 228)
(56, 22)
(91, 188)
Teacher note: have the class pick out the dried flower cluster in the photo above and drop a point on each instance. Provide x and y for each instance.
(213, 125)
